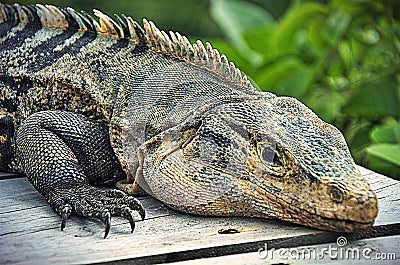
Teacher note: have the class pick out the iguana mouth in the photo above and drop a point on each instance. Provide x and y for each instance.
(338, 225)
(330, 224)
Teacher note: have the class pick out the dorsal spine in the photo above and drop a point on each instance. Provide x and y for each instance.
(171, 43)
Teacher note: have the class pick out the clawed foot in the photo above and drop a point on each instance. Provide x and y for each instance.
(96, 204)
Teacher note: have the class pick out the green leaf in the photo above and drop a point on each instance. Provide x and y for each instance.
(361, 138)
(297, 18)
(234, 17)
(290, 77)
(386, 134)
(383, 166)
(373, 100)
(336, 25)
(388, 152)
(259, 40)
(327, 103)
(315, 36)
(346, 54)
(296, 82)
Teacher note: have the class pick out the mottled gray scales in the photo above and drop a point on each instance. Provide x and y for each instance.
(86, 102)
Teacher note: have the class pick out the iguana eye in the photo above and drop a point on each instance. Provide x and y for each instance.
(336, 194)
(269, 155)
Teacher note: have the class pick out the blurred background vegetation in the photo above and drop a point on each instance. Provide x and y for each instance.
(339, 57)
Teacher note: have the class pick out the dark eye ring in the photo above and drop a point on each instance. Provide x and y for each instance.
(269, 156)
(336, 194)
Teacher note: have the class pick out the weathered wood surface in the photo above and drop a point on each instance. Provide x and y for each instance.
(30, 231)
(382, 250)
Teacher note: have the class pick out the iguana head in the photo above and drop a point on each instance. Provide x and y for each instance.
(263, 158)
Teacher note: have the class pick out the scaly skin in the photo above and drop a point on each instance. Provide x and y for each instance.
(84, 104)
(258, 159)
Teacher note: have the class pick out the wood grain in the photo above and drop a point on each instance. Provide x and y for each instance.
(30, 231)
(384, 250)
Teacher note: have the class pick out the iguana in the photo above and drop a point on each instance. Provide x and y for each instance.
(86, 103)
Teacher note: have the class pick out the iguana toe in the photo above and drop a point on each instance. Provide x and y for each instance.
(106, 218)
(128, 215)
(137, 206)
(65, 215)
(125, 203)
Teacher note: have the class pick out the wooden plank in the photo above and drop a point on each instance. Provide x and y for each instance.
(29, 230)
(4, 175)
(383, 250)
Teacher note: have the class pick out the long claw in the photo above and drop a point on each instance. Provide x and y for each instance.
(128, 215)
(66, 212)
(142, 212)
(106, 217)
(139, 207)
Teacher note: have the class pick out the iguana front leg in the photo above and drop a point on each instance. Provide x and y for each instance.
(63, 154)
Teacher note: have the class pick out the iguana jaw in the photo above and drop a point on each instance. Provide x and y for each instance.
(329, 224)
(336, 224)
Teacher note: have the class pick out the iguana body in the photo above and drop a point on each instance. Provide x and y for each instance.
(84, 104)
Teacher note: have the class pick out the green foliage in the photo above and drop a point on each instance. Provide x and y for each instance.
(237, 17)
(341, 58)
(385, 147)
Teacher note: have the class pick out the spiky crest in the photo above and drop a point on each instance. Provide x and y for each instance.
(171, 43)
